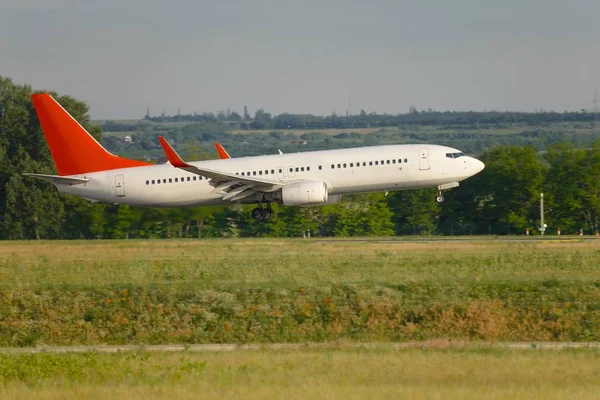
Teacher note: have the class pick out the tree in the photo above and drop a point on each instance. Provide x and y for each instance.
(573, 186)
(30, 208)
(509, 188)
(415, 212)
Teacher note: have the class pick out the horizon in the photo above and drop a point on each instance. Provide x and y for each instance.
(312, 57)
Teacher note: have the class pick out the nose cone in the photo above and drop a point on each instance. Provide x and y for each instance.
(477, 166)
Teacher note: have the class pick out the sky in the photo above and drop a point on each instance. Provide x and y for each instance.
(123, 57)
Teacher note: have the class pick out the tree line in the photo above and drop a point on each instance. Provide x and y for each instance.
(467, 119)
(503, 199)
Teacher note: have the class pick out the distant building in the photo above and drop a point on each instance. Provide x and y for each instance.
(127, 139)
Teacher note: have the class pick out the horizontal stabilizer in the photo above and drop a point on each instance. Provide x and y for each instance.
(63, 180)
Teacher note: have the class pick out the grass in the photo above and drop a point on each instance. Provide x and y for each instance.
(298, 374)
(281, 263)
(265, 291)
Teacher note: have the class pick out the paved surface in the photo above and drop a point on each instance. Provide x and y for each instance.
(199, 348)
(466, 239)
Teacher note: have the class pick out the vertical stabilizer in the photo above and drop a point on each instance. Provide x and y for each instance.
(73, 149)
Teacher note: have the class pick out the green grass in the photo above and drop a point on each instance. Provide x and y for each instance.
(300, 374)
(291, 263)
(264, 291)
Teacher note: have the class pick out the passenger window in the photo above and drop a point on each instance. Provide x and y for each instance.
(158, 181)
(364, 164)
(147, 182)
(406, 160)
(153, 182)
(376, 162)
(291, 169)
(339, 165)
(297, 169)
(394, 161)
(388, 161)
(164, 181)
(273, 172)
(243, 174)
(280, 171)
(302, 169)
(254, 173)
(194, 178)
(176, 179)
(344, 165)
(260, 172)
(332, 166)
(320, 167)
(188, 178)
(370, 163)
(307, 168)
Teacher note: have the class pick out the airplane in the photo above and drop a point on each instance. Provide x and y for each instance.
(312, 178)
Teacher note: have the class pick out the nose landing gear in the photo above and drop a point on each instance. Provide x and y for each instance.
(439, 198)
(262, 214)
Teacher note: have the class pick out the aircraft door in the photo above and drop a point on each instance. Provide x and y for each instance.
(280, 173)
(120, 185)
(424, 159)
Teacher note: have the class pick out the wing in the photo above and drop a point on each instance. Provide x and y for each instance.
(233, 187)
(65, 180)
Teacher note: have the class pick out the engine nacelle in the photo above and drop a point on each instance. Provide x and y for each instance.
(333, 199)
(304, 194)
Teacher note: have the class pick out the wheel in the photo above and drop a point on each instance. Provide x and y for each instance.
(439, 198)
(258, 214)
(268, 214)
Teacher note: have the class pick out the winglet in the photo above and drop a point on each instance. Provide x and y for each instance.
(171, 154)
(223, 154)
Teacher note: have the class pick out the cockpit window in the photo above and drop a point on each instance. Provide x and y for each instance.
(455, 155)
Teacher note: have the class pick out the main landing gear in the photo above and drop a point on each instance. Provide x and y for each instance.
(262, 214)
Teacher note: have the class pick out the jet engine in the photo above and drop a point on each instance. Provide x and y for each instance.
(333, 199)
(305, 194)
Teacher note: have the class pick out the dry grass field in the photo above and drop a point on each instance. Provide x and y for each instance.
(290, 290)
(335, 374)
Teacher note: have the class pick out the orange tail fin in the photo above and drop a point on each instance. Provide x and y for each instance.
(73, 149)
(223, 154)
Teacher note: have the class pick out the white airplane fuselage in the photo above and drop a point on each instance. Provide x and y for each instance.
(344, 171)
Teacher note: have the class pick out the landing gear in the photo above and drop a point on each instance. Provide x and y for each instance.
(257, 214)
(262, 214)
(439, 198)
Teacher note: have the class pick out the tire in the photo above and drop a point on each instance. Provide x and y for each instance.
(268, 214)
(258, 214)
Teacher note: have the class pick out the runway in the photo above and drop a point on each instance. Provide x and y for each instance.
(466, 239)
(211, 348)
